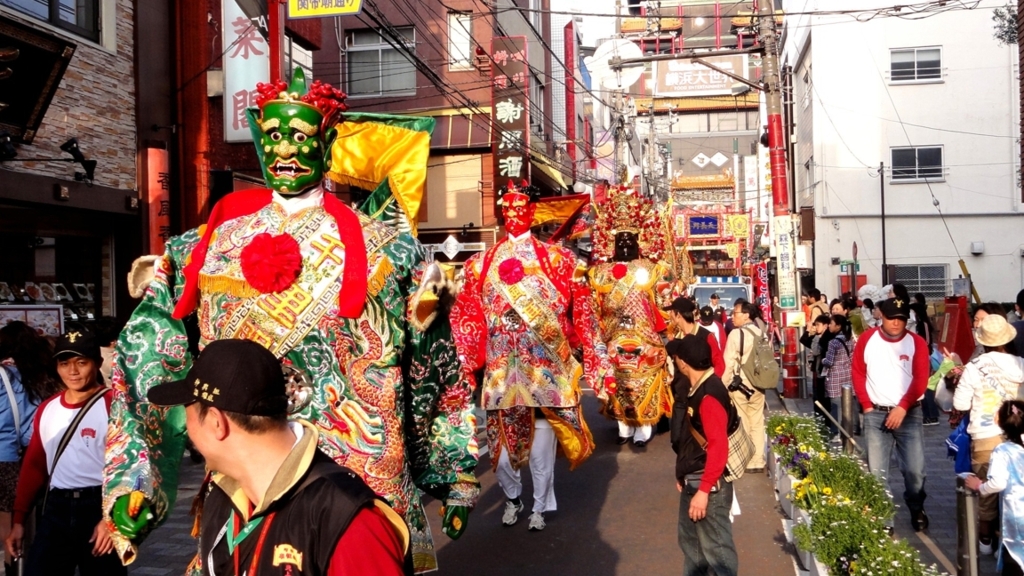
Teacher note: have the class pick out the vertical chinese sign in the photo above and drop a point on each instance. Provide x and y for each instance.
(510, 111)
(157, 194)
(246, 62)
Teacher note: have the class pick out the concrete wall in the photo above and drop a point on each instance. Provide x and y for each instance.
(973, 113)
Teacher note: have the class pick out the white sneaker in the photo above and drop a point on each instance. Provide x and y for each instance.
(537, 522)
(511, 515)
(984, 549)
(837, 439)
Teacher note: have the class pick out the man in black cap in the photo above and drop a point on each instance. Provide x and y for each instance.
(276, 499)
(890, 374)
(704, 415)
(71, 533)
(683, 313)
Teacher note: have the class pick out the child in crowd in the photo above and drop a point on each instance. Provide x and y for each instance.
(1006, 475)
(71, 532)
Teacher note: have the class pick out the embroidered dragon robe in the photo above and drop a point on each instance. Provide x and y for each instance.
(400, 429)
(629, 298)
(522, 328)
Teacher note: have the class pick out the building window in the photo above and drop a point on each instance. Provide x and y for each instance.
(932, 280)
(536, 16)
(912, 64)
(375, 68)
(460, 43)
(917, 163)
(81, 17)
(808, 90)
(295, 56)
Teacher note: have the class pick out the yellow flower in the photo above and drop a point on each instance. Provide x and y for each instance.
(822, 455)
(803, 447)
(826, 491)
(778, 430)
(812, 489)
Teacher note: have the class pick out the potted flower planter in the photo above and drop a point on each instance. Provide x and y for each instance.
(805, 556)
(817, 568)
(784, 492)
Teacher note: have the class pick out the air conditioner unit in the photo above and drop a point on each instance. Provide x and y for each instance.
(803, 257)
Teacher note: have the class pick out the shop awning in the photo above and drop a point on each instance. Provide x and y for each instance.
(554, 174)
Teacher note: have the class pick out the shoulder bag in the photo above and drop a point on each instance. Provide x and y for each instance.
(14, 409)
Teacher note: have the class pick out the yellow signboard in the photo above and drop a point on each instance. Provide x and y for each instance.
(322, 8)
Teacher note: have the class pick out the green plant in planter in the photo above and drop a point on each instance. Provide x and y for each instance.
(837, 478)
(794, 439)
(837, 531)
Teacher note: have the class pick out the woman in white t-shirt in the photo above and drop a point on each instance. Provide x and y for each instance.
(987, 382)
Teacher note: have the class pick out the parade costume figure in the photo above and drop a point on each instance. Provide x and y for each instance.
(512, 318)
(340, 297)
(630, 293)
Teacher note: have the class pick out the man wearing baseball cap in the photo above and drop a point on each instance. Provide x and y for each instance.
(276, 499)
(890, 374)
(63, 463)
(702, 411)
(683, 312)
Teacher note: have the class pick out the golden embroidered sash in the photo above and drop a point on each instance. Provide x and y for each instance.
(536, 312)
(280, 321)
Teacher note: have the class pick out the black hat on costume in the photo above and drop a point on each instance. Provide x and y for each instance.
(237, 376)
(895, 308)
(691, 349)
(77, 342)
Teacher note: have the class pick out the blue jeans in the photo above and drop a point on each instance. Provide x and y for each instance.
(707, 544)
(837, 403)
(909, 442)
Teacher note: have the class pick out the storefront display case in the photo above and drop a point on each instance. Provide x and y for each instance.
(48, 320)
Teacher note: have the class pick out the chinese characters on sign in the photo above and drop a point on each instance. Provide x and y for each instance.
(764, 301)
(510, 110)
(321, 8)
(782, 230)
(680, 78)
(702, 226)
(246, 62)
(157, 193)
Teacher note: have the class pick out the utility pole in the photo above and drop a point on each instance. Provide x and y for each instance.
(275, 38)
(881, 184)
(782, 223)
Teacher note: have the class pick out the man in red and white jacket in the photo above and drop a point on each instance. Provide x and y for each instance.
(71, 533)
(890, 374)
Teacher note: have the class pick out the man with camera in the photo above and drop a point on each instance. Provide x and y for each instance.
(702, 414)
(748, 399)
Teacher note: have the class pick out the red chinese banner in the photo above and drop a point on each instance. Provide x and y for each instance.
(764, 297)
(510, 110)
(157, 192)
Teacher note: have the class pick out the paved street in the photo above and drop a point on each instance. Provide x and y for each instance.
(617, 515)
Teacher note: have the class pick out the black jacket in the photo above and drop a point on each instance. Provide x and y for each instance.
(690, 456)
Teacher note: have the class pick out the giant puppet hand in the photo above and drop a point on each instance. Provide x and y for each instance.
(455, 520)
(131, 514)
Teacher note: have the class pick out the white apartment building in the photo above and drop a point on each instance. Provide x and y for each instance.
(936, 100)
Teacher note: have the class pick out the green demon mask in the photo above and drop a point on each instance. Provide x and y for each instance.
(293, 129)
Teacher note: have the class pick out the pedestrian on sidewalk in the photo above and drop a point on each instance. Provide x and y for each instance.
(926, 330)
(682, 312)
(812, 340)
(1018, 325)
(71, 532)
(702, 407)
(275, 499)
(711, 324)
(890, 373)
(25, 359)
(987, 382)
(837, 362)
(750, 402)
(1006, 476)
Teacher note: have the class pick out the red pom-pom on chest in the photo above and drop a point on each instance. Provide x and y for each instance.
(271, 263)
